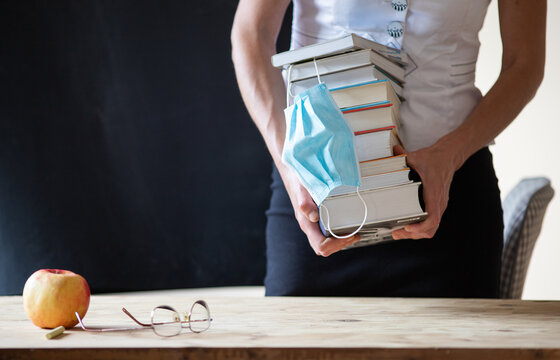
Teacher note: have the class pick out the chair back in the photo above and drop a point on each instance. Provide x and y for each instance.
(524, 209)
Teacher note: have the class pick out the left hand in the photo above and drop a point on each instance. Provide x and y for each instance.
(436, 167)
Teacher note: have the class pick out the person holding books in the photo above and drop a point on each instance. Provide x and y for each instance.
(446, 127)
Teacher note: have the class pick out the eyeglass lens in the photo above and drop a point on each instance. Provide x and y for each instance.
(166, 321)
(199, 318)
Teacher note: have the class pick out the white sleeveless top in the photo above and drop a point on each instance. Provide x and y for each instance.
(440, 38)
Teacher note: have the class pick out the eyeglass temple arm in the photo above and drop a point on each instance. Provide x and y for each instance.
(80, 321)
(134, 319)
(100, 329)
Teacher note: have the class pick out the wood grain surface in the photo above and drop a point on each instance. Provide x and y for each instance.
(247, 325)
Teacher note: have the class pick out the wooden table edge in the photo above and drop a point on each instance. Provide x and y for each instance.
(277, 353)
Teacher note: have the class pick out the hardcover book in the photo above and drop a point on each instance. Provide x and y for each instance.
(350, 60)
(371, 116)
(347, 78)
(388, 207)
(336, 46)
(371, 92)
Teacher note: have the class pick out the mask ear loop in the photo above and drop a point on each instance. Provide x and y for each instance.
(328, 225)
(289, 86)
(317, 71)
(289, 93)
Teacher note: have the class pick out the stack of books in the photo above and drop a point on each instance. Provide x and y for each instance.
(366, 81)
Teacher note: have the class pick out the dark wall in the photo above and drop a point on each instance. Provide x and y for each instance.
(126, 154)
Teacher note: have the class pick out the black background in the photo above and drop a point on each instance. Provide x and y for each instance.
(126, 154)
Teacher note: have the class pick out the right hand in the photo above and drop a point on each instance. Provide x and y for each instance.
(307, 215)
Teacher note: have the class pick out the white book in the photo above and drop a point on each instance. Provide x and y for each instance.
(345, 78)
(375, 144)
(336, 46)
(350, 60)
(388, 207)
(371, 117)
(383, 165)
(398, 177)
(367, 93)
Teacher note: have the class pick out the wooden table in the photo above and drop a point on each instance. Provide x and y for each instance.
(249, 326)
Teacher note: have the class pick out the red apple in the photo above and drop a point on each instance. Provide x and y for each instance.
(51, 296)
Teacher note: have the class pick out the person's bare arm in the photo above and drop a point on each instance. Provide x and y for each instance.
(253, 37)
(523, 27)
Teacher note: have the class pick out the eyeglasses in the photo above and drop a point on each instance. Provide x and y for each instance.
(166, 321)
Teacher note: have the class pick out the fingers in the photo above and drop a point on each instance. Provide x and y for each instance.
(331, 245)
(328, 246)
(436, 203)
(308, 208)
(321, 245)
(398, 150)
(426, 228)
(422, 230)
(436, 175)
(306, 205)
(307, 215)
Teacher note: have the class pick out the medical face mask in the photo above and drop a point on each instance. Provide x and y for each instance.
(319, 145)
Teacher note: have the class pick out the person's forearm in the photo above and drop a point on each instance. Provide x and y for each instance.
(253, 39)
(523, 30)
(494, 113)
(261, 85)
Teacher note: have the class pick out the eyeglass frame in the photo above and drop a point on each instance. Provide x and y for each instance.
(151, 325)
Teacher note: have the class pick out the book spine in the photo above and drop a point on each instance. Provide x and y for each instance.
(360, 84)
(374, 130)
(367, 107)
(389, 76)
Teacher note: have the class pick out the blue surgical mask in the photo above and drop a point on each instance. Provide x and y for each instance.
(319, 144)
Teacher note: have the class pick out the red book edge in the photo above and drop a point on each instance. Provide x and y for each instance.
(374, 130)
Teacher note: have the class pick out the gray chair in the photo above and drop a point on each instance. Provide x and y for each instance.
(524, 209)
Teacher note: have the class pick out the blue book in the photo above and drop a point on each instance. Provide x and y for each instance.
(370, 92)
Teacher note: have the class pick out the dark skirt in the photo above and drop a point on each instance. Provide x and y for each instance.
(463, 259)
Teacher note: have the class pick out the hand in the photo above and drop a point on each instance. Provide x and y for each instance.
(307, 216)
(436, 167)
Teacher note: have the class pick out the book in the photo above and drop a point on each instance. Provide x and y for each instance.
(375, 143)
(397, 177)
(381, 231)
(350, 60)
(365, 80)
(383, 165)
(371, 92)
(375, 235)
(336, 46)
(346, 78)
(388, 207)
(371, 116)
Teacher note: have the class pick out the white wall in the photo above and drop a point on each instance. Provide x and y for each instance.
(531, 145)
